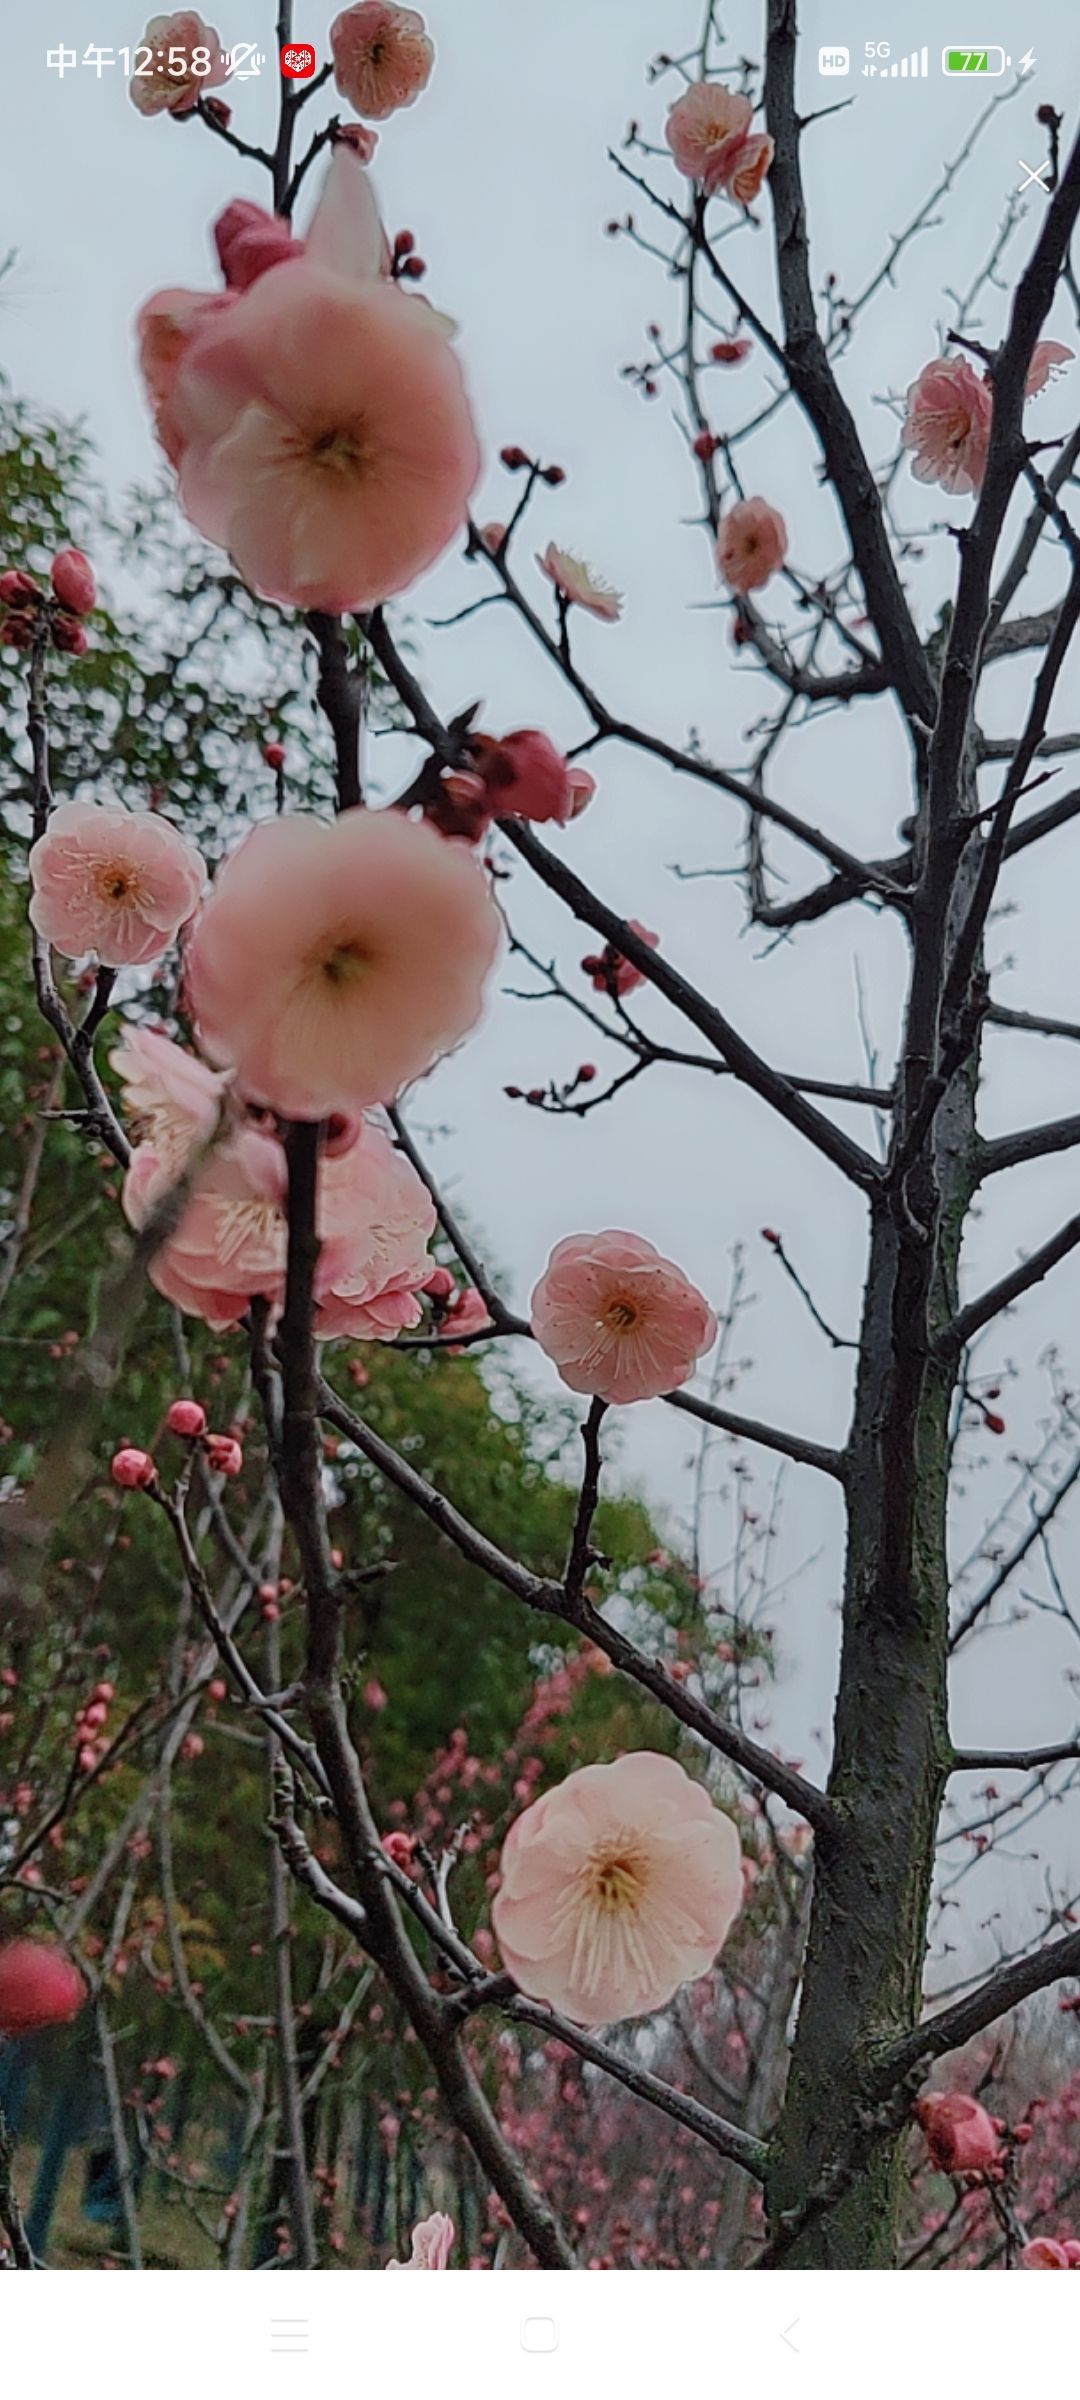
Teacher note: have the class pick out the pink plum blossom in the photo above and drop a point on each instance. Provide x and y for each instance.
(960, 2133)
(328, 443)
(381, 936)
(174, 1101)
(182, 30)
(112, 883)
(616, 1888)
(578, 585)
(617, 1319)
(432, 2243)
(1043, 2253)
(164, 328)
(947, 425)
(704, 130)
(1048, 359)
(747, 168)
(525, 776)
(751, 544)
(374, 1219)
(383, 57)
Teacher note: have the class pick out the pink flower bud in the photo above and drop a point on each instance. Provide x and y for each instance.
(18, 590)
(218, 1689)
(587, 1073)
(95, 1715)
(70, 636)
(959, 2133)
(514, 457)
(223, 1454)
(439, 1285)
(192, 1746)
(187, 1418)
(274, 754)
(731, 354)
(72, 579)
(373, 1695)
(399, 1848)
(361, 139)
(133, 1470)
(706, 445)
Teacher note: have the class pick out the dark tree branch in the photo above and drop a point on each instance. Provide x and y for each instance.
(964, 1762)
(1006, 1568)
(1033, 1141)
(1011, 1287)
(770, 1437)
(1018, 1020)
(550, 1599)
(341, 693)
(1002, 1991)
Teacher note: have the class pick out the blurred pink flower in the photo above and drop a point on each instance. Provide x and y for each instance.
(704, 131)
(174, 1101)
(328, 441)
(579, 585)
(617, 1319)
(112, 883)
(616, 1888)
(959, 2133)
(380, 936)
(1043, 2252)
(467, 1313)
(751, 544)
(947, 426)
(432, 2242)
(1047, 360)
(383, 57)
(173, 40)
(164, 328)
(746, 168)
(72, 579)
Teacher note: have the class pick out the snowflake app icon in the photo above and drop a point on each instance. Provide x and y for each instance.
(298, 61)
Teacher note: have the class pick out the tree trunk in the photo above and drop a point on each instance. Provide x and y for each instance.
(862, 1987)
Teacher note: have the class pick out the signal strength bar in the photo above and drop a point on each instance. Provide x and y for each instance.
(917, 64)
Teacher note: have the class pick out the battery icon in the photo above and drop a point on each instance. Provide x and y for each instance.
(991, 60)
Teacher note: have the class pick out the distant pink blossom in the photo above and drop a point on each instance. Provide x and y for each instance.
(381, 936)
(960, 2133)
(111, 883)
(383, 57)
(610, 972)
(1043, 2253)
(617, 1319)
(616, 1888)
(947, 425)
(1048, 359)
(751, 544)
(579, 585)
(704, 131)
(733, 352)
(432, 2243)
(72, 579)
(172, 40)
(525, 776)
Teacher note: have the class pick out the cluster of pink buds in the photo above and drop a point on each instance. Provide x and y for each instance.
(455, 1311)
(91, 1739)
(27, 610)
(135, 1471)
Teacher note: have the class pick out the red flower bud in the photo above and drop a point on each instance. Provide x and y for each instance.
(274, 754)
(70, 636)
(133, 1470)
(223, 1454)
(514, 457)
(769, 1235)
(706, 445)
(439, 1285)
(18, 590)
(993, 1423)
(587, 1073)
(187, 1418)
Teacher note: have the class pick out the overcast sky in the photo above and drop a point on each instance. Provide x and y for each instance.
(502, 172)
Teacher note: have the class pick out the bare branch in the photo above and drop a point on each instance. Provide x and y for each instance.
(770, 1437)
(1010, 1288)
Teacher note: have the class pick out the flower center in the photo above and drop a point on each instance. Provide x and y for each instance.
(344, 965)
(242, 1221)
(615, 1877)
(116, 881)
(620, 1315)
(338, 451)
